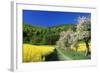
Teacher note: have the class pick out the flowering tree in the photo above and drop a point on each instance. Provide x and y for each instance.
(84, 31)
(65, 40)
(69, 39)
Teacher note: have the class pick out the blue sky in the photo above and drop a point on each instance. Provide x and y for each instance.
(51, 18)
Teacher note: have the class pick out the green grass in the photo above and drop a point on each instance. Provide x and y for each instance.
(74, 55)
(61, 58)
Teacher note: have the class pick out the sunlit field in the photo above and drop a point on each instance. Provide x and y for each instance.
(76, 53)
(56, 36)
(81, 47)
(33, 53)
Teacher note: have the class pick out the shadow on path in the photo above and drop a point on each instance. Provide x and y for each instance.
(52, 57)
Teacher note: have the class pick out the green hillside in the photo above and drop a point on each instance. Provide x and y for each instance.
(38, 35)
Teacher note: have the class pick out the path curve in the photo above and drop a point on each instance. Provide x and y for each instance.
(64, 56)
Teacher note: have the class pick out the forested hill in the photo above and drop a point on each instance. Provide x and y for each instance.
(59, 27)
(44, 35)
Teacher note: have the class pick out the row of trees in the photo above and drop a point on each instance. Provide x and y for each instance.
(43, 35)
(69, 39)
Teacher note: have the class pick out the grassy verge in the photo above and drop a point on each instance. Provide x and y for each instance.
(74, 55)
(61, 58)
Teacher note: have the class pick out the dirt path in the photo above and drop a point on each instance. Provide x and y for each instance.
(63, 56)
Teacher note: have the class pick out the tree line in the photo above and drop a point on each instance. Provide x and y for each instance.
(38, 35)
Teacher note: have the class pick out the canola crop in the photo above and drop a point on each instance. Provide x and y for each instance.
(82, 47)
(34, 53)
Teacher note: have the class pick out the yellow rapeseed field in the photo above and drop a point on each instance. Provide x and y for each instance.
(33, 53)
(81, 47)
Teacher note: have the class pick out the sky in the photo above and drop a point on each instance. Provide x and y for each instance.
(51, 18)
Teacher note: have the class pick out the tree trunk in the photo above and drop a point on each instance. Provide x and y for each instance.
(87, 50)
